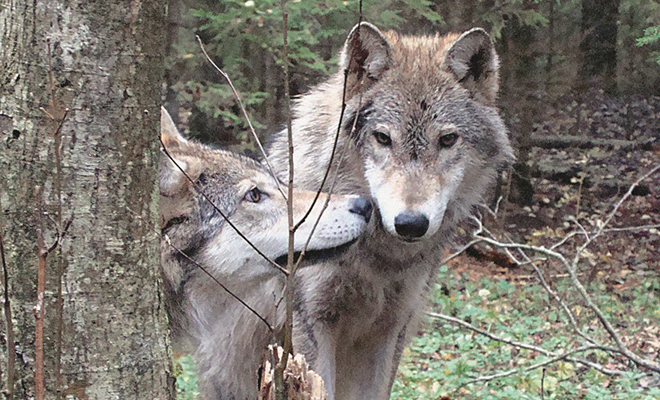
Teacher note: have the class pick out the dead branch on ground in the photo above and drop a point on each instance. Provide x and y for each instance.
(522, 254)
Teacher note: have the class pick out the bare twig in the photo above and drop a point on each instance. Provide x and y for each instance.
(330, 191)
(552, 293)
(336, 141)
(278, 379)
(585, 295)
(225, 288)
(332, 155)
(554, 357)
(571, 268)
(224, 216)
(245, 115)
(563, 356)
(609, 217)
(543, 385)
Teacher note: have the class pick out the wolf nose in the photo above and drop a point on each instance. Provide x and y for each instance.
(361, 206)
(411, 225)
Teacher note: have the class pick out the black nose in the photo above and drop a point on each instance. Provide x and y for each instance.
(361, 206)
(411, 225)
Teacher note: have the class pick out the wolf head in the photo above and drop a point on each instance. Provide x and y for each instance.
(421, 112)
(243, 190)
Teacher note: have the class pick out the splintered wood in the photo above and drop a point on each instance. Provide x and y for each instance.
(301, 382)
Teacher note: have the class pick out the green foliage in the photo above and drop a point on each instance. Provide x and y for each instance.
(651, 36)
(503, 11)
(186, 377)
(245, 40)
(444, 358)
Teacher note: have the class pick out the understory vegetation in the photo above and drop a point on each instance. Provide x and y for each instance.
(444, 358)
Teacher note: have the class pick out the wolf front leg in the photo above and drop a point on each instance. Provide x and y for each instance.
(364, 370)
(316, 342)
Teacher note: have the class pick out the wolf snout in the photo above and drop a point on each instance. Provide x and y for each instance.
(411, 225)
(361, 206)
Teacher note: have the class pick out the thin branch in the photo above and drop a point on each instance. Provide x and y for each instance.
(554, 356)
(543, 384)
(337, 167)
(278, 379)
(200, 191)
(571, 269)
(336, 141)
(325, 203)
(606, 324)
(546, 286)
(631, 228)
(614, 211)
(245, 115)
(563, 356)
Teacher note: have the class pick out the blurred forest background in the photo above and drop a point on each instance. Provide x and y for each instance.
(549, 50)
(580, 87)
(582, 73)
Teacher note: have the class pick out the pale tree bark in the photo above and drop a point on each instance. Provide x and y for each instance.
(90, 169)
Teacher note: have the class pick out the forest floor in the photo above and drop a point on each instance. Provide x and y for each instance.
(621, 271)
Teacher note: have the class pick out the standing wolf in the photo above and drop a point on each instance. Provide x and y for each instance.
(228, 339)
(425, 141)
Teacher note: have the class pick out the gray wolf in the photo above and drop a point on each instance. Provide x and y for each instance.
(228, 340)
(425, 141)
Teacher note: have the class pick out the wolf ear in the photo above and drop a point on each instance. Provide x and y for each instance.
(176, 193)
(169, 134)
(366, 51)
(473, 61)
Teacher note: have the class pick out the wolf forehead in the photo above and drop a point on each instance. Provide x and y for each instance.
(231, 166)
(419, 96)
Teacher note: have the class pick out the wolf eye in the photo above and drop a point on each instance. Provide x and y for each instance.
(448, 140)
(383, 138)
(254, 195)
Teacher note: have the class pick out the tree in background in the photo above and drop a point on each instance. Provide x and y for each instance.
(79, 119)
(599, 30)
(244, 39)
(562, 48)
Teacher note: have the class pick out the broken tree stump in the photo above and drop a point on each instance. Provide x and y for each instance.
(301, 382)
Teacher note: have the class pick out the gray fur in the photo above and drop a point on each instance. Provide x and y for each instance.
(227, 339)
(364, 307)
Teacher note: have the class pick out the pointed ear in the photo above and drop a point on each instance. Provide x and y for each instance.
(172, 180)
(473, 61)
(176, 191)
(366, 55)
(169, 134)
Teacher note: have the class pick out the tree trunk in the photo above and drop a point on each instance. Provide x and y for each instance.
(88, 321)
(599, 27)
